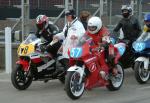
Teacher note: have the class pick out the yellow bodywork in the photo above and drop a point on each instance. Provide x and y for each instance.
(25, 49)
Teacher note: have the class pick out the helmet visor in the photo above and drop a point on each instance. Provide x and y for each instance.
(40, 26)
(147, 21)
(124, 11)
(92, 28)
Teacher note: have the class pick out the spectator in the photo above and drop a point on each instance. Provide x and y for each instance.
(84, 16)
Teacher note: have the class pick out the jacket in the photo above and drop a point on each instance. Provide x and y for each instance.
(48, 32)
(74, 29)
(97, 38)
(130, 27)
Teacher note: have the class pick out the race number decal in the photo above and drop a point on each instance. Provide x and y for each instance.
(24, 50)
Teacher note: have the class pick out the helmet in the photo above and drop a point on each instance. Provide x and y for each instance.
(126, 11)
(147, 20)
(41, 21)
(94, 25)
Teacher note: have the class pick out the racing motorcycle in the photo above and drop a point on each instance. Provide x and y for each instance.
(129, 56)
(86, 72)
(142, 64)
(34, 64)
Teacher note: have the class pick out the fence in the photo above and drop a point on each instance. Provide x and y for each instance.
(52, 8)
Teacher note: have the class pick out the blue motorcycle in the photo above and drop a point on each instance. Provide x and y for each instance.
(142, 64)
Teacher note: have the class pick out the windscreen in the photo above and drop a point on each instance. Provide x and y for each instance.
(30, 39)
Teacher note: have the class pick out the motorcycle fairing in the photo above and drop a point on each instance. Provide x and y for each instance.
(24, 63)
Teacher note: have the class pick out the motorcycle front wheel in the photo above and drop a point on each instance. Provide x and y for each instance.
(73, 88)
(141, 75)
(116, 81)
(20, 79)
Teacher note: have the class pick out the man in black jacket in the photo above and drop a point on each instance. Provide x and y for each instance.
(46, 30)
(129, 25)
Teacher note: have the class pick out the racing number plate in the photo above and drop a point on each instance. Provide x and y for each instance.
(25, 50)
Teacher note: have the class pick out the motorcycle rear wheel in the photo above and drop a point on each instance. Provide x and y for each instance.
(116, 81)
(19, 78)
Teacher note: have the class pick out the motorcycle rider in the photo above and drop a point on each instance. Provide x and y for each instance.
(146, 29)
(129, 25)
(101, 37)
(147, 23)
(46, 30)
(72, 32)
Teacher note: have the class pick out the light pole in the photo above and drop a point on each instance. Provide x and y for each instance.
(140, 10)
(110, 12)
(101, 7)
(25, 17)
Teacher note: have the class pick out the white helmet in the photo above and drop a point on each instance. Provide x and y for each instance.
(94, 25)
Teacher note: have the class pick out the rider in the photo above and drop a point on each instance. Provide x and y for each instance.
(146, 29)
(100, 36)
(72, 31)
(46, 30)
(129, 25)
(147, 23)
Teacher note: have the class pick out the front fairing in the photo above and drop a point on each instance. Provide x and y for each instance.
(27, 47)
(146, 51)
(82, 50)
(142, 45)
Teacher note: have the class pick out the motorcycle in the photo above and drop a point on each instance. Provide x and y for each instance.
(128, 58)
(85, 71)
(34, 64)
(142, 50)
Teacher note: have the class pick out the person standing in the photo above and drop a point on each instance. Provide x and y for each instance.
(72, 32)
(84, 16)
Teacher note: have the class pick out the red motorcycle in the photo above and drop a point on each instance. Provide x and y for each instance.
(86, 72)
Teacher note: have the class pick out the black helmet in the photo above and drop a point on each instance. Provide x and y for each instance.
(70, 12)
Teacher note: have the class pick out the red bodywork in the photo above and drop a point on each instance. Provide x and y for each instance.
(26, 65)
(90, 57)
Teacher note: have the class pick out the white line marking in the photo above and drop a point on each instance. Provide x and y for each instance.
(4, 80)
(142, 88)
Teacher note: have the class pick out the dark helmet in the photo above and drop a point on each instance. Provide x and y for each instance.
(70, 12)
(41, 21)
(126, 11)
(147, 20)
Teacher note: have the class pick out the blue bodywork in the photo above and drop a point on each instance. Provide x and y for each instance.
(142, 48)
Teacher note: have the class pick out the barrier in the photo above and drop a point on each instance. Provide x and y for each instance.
(8, 50)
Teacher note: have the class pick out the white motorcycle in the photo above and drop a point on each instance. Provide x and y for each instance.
(142, 64)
